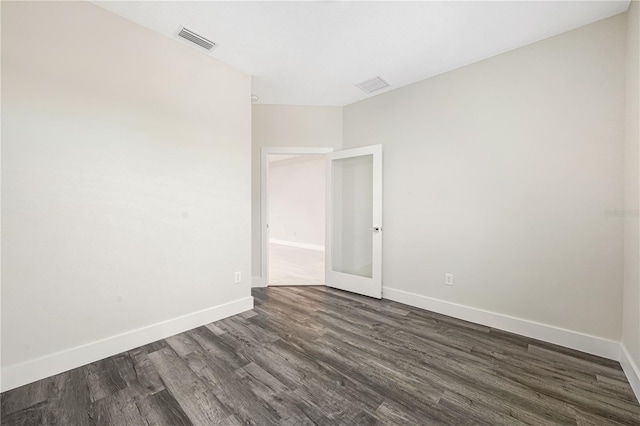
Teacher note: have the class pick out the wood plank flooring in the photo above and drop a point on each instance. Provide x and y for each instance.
(317, 356)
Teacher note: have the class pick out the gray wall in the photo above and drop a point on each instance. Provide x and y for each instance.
(501, 172)
(296, 200)
(125, 178)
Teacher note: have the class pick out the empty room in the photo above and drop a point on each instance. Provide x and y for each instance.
(320, 213)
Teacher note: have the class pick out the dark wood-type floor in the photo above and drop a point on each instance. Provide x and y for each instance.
(311, 355)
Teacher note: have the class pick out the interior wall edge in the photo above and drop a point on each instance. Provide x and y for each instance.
(631, 370)
(593, 345)
(17, 375)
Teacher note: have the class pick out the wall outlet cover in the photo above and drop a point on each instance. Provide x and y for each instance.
(448, 279)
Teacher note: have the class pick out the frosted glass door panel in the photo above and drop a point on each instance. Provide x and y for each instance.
(352, 192)
(353, 247)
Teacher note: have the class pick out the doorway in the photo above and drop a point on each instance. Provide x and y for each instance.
(293, 216)
(352, 217)
(296, 192)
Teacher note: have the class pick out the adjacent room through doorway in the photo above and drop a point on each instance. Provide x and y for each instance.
(296, 192)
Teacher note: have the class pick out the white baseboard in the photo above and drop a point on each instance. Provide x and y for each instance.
(571, 339)
(295, 285)
(298, 245)
(26, 372)
(631, 370)
(258, 282)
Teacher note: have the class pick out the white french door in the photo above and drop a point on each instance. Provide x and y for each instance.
(353, 251)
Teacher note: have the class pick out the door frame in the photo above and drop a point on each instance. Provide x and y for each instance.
(264, 198)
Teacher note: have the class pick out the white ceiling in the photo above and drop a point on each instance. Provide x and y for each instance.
(312, 53)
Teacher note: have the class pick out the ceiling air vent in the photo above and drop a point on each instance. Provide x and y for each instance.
(189, 35)
(370, 86)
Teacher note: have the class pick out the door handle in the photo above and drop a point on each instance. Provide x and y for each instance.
(375, 229)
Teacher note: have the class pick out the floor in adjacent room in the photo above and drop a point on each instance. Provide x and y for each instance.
(312, 355)
(295, 266)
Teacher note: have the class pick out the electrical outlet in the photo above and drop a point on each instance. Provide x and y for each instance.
(238, 278)
(448, 279)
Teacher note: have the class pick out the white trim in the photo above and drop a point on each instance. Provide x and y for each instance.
(295, 244)
(296, 150)
(257, 282)
(571, 339)
(26, 372)
(264, 198)
(631, 370)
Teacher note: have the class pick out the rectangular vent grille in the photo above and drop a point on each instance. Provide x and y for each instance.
(372, 85)
(187, 34)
